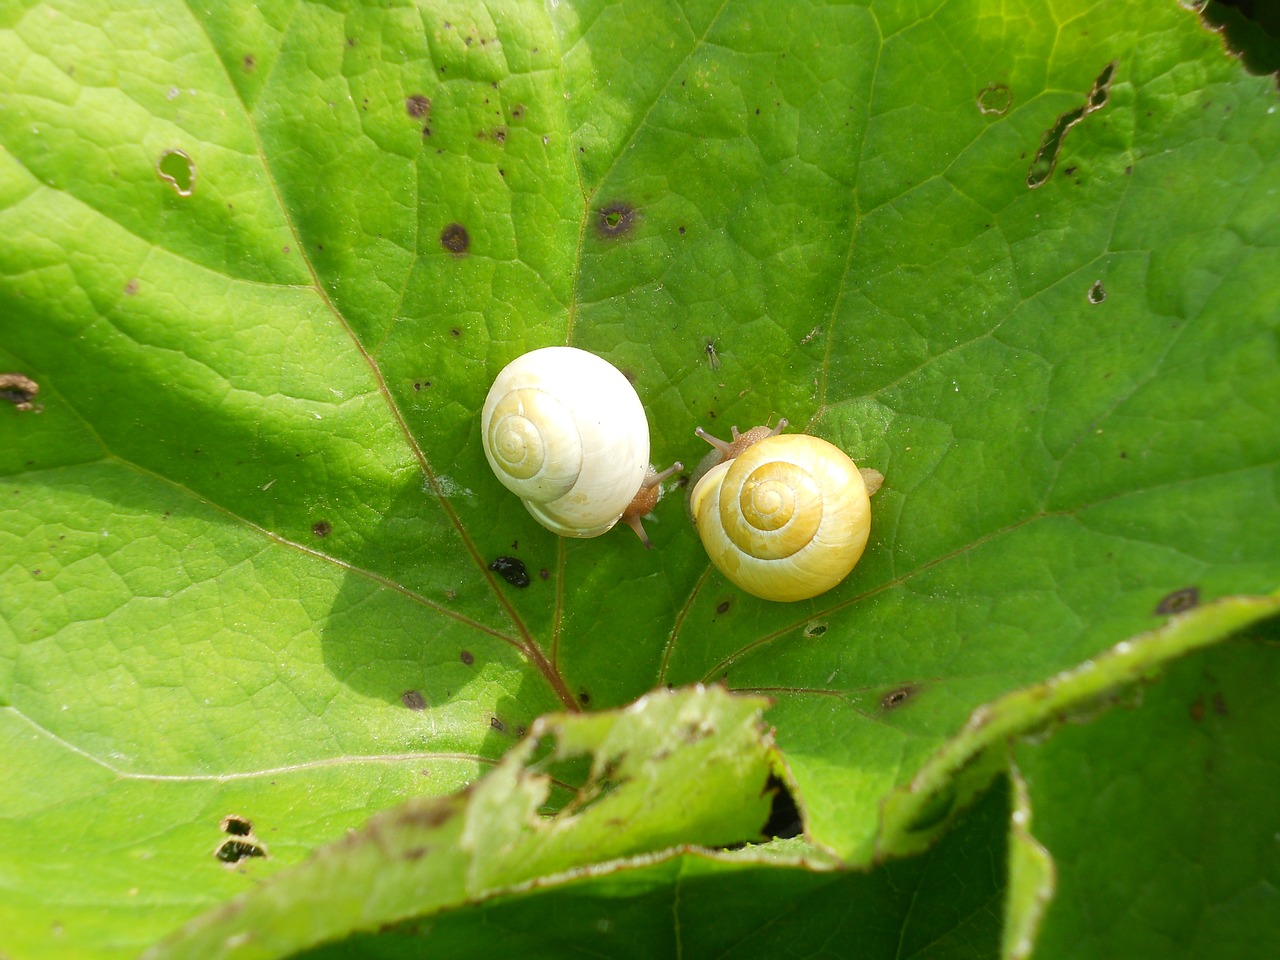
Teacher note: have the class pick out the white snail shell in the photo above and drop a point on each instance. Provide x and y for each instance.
(786, 519)
(565, 432)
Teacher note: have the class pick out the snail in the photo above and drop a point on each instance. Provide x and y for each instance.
(564, 431)
(783, 516)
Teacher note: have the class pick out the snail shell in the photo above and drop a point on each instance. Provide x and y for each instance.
(564, 431)
(785, 519)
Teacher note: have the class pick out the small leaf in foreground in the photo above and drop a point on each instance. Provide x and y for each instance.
(672, 769)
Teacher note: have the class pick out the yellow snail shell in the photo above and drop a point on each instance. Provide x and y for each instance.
(564, 431)
(785, 519)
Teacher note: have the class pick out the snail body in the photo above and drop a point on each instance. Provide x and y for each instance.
(564, 431)
(785, 518)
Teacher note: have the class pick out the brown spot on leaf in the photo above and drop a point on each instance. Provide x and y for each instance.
(131, 287)
(417, 105)
(249, 62)
(322, 528)
(455, 239)
(896, 698)
(414, 700)
(467, 657)
(1178, 601)
(1197, 710)
(497, 724)
(723, 606)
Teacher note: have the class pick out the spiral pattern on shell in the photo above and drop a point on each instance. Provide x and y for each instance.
(787, 519)
(564, 431)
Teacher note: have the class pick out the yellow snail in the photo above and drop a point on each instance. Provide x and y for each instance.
(564, 431)
(783, 516)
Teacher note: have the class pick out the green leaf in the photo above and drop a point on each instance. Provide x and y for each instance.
(944, 905)
(688, 767)
(263, 260)
(1161, 819)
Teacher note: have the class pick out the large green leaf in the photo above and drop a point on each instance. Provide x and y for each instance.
(263, 261)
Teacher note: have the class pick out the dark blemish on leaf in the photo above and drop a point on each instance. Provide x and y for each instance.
(814, 629)
(236, 825)
(1124, 455)
(630, 375)
(351, 41)
(584, 698)
(896, 698)
(426, 130)
(131, 287)
(517, 112)
(467, 657)
(1097, 292)
(1069, 171)
(415, 853)
(455, 239)
(20, 390)
(285, 249)
(233, 851)
(417, 105)
(178, 170)
(497, 724)
(1178, 601)
(1128, 170)
(682, 231)
(414, 700)
(995, 98)
(520, 730)
(499, 134)
(699, 730)
(615, 220)
(515, 544)
(322, 528)
(784, 814)
(249, 62)
(432, 816)
(1219, 705)
(544, 573)
(757, 111)
(1196, 712)
(455, 332)
(723, 606)
(451, 594)
(511, 570)
(1046, 157)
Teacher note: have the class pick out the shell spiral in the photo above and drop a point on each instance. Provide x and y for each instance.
(787, 519)
(564, 431)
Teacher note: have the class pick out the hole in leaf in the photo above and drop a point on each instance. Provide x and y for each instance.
(814, 629)
(233, 851)
(995, 98)
(896, 698)
(784, 814)
(1097, 293)
(616, 219)
(236, 825)
(178, 169)
(18, 389)
(1046, 157)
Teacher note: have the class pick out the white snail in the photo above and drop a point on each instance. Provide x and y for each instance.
(564, 431)
(783, 516)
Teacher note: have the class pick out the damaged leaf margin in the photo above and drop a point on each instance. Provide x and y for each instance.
(674, 770)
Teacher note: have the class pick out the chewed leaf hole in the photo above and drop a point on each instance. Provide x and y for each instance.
(616, 219)
(784, 813)
(233, 851)
(995, 98)
(1046, 157)
(814, 629)
(179, 170)
(236, 825)
(1097, 293)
